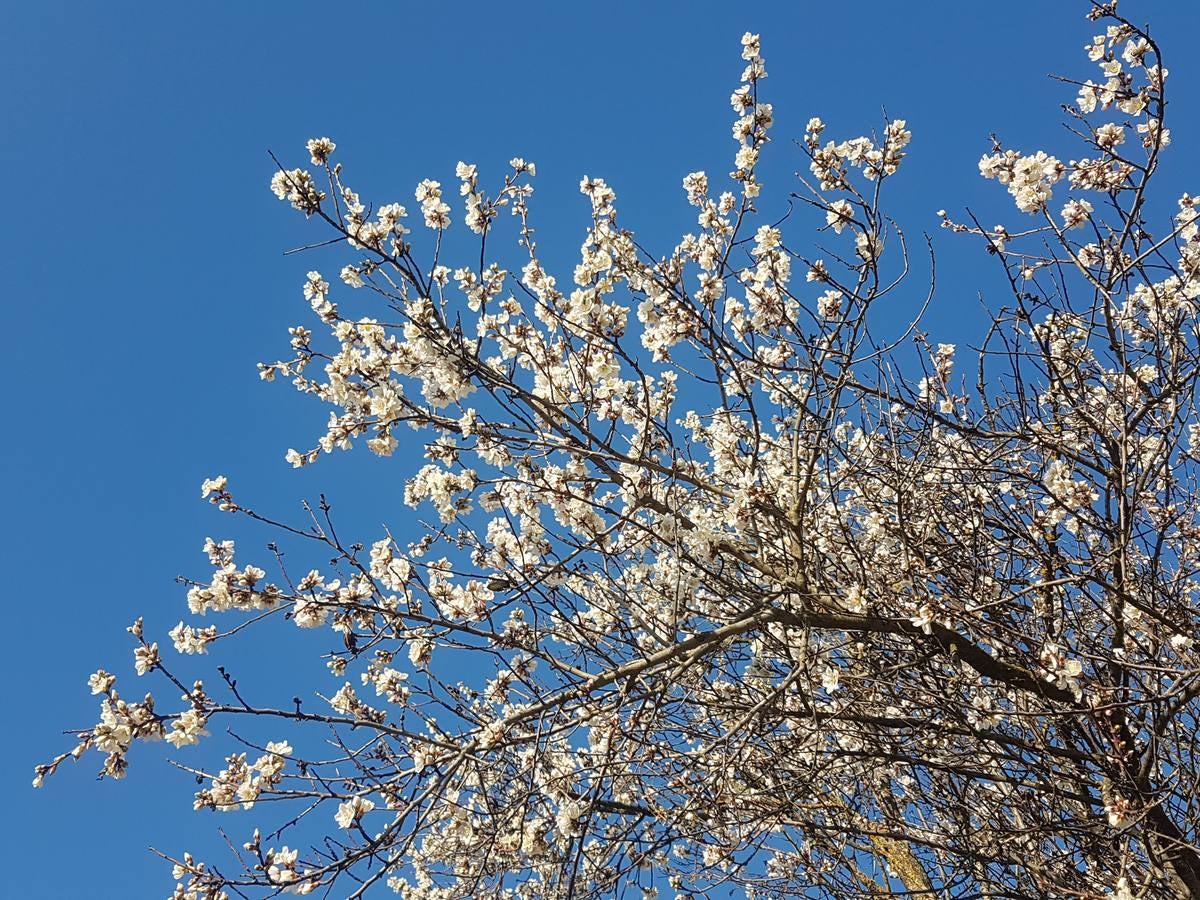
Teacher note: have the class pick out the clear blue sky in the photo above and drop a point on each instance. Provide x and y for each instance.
(144, 278)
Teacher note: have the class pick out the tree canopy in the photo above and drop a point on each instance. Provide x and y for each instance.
(725, 588)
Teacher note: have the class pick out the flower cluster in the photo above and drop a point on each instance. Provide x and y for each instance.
(242, 783)
(1029, 179)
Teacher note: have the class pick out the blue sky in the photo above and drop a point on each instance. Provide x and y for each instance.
(145, 278)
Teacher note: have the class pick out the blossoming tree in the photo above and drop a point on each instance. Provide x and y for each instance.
(729, 593)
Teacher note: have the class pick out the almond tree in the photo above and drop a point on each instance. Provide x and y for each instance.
(729, 593)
